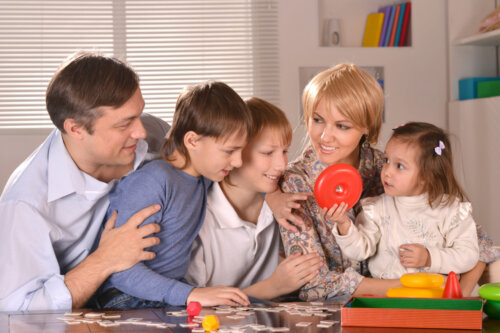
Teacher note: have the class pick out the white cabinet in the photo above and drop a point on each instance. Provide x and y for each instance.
(476, 128)
(475, 123)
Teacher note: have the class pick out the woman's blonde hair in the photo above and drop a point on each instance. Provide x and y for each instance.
(267, 115)
(353, 92)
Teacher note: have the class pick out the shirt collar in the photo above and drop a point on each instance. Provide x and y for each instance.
(227, 217)
(65, 178)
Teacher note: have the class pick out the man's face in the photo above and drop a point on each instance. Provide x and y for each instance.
(115, 135)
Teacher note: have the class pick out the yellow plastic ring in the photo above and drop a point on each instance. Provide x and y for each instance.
(415, 292)
(422, 280)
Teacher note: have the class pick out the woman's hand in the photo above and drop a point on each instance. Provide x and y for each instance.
(283, 204)
(338, 214)
(414, 256)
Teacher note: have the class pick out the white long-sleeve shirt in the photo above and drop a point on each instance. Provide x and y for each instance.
(385, 223)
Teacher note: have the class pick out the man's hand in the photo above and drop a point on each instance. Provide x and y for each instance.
(414, 256)
(123, 247)
(283, 204)
(218, 295)
(119, 249)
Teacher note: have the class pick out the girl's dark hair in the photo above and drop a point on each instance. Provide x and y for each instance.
(435, 165)
(209, 109)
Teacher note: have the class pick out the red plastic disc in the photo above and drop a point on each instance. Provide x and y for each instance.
(338, 183)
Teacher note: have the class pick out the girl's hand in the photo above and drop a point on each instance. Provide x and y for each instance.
(282, 205)
(337, 214)
(295, 271)
(414, 256)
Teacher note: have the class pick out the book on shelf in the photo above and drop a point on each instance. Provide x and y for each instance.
(400, 24)
(387, 11)
(394, 25)
(406, 22)
(373, 29)
(388, 31)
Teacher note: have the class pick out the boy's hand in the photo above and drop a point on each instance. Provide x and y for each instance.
(283, 204)
(295, 271)
(337, 214)
(414, 256)
(218, 295)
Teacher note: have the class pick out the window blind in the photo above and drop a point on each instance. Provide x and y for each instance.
(169, 43)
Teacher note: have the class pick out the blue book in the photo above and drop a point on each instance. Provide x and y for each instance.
(389, 26)
(386, 10)
(400, 24)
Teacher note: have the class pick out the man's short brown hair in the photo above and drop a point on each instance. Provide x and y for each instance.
(84, 82)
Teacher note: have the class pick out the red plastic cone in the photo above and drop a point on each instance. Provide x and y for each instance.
(452, 288)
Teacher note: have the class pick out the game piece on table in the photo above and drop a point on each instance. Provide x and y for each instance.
(303, 324)
(338, 183)
(93, 315)
(210, 323)
(452, 288)
(235, 317)
(422, 280)
(111, 316)
(193, 308)
(73, 314)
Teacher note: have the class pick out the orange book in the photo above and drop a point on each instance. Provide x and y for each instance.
(395, 25)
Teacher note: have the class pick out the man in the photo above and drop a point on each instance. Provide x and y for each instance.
(54, 203)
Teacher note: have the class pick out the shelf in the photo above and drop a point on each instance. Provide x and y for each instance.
(490, 38)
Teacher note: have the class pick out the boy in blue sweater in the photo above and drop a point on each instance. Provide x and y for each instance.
(210, 128)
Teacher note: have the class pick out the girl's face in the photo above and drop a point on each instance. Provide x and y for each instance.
(264, 161)
(215, 158)
(334, 137)
(400, 173)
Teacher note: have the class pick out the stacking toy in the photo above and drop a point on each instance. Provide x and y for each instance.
(418, 285)
(210, 323)
(415, 292)
(452, 288)
(338, 183)
(491, 293)
(422, 280)
(193, 308)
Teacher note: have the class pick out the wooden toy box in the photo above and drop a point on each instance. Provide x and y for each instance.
(443, 313)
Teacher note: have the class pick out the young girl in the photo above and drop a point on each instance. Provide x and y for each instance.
(422, 222)
(238, 244)
(209, 130)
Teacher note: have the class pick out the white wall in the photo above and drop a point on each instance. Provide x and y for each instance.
(415, 77)
(416, 84)
(15, 147)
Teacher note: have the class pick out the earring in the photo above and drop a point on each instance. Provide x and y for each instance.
(365, 143)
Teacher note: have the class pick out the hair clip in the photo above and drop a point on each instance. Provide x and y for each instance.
(439, 148)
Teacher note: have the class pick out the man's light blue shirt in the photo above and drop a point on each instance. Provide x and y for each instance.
(50, 214)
